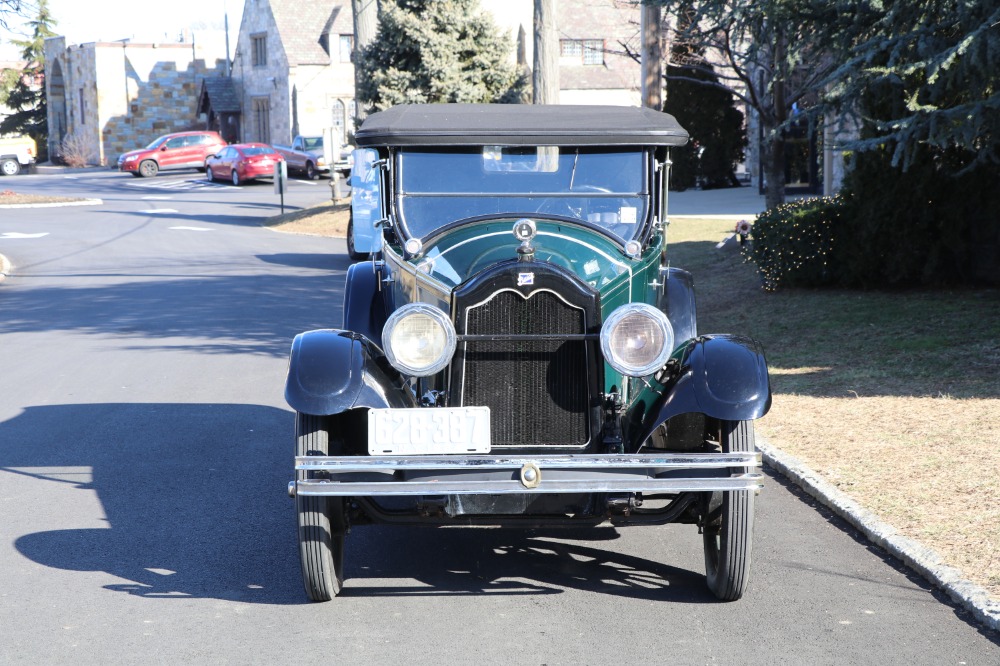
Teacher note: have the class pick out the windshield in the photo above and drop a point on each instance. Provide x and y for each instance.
(606, 187)
(312, 143)
(257, 150)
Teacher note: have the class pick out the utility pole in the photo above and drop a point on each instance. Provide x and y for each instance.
(365, 26)
(651, 57)
(545, 76)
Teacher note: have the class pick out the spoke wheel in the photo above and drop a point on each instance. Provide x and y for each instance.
(10, 167)
(311, 172)
(728, 519)
(209, 176)
(236, 177)
(322, 524)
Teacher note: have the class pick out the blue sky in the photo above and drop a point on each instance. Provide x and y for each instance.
(106, 20)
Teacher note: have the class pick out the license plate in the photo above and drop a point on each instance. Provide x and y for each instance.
(428, 430)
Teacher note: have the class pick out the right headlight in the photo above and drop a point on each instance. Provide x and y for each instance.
(637, 339)
(419, 339)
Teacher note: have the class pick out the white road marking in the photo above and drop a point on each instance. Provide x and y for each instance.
(192, 228)
(155, 211)
(15, 234)
(157, 197)
(174, 185)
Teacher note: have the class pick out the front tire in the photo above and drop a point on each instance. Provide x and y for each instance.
(10, 167)
(311, 173)
(236, 178)
(209, 176)
(728, 519)
(322, 523)
(148, 168)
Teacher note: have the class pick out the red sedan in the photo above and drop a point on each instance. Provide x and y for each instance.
(241, 162)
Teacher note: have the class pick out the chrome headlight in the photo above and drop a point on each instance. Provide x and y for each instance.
(419, 339)
(637, 339)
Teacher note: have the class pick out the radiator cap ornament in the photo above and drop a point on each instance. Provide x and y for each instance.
(525, 231)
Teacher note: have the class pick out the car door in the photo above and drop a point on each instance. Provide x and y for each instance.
(216, 164)
(172, 153)
(224, 165)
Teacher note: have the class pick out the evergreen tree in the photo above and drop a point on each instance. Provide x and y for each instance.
(26, 95)
(709, 114)
(432, 51)
(923, 73)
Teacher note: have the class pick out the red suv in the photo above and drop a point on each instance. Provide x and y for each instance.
(182, 150)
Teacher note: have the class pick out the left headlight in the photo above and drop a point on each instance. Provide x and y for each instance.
(419, 339)
(637, 339)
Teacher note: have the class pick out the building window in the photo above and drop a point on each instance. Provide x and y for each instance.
(261, 109)
(581, 51)
(258, 50)
(570, 48)
(340, 120)
(347, 48)
(593, 52)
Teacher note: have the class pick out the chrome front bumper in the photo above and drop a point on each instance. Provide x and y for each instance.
(365, 476)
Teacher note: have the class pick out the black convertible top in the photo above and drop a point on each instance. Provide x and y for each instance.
(519, 125)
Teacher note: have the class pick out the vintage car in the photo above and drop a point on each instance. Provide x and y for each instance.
(518, 351)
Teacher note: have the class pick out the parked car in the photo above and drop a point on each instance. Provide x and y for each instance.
(519, 351)
(17, 153)
(305, 156)
(181, 150)
(241, 162)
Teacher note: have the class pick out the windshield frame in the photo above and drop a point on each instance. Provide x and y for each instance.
(639, 228)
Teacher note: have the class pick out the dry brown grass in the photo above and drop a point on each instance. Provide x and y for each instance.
(11, 198)
(327, 219)
(892, 397)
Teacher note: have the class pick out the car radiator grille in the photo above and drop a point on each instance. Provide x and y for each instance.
(537, 389)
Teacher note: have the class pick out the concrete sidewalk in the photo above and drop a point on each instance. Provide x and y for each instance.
(733, 203)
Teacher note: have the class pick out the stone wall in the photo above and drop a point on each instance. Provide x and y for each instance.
(263, 83)
(112, 97)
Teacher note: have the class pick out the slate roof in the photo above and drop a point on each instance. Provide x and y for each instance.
(300, 25)
(218, 93)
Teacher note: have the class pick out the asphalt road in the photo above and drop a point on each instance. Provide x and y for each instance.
(145, 450)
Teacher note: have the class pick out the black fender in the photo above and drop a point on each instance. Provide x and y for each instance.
(721, 376)
(678, 303)
(331, 371)
(364, 304)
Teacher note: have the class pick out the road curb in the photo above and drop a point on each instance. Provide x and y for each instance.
(915, 555)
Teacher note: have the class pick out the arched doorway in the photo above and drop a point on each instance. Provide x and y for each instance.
(56, 97)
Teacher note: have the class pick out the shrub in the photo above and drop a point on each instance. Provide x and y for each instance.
(73, 151)
(794, 244)
(932, 224)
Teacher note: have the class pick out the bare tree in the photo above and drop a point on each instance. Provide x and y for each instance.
(16, 9)
(768, 54)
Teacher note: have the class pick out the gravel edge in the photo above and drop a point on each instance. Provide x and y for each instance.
(915, 555)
